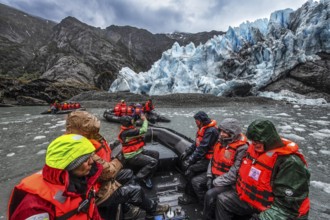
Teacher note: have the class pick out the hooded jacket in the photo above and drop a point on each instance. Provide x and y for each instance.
(209, 139)
(290, 198)
(237, 139)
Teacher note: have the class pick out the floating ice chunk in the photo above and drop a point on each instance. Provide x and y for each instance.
(283, 114)
(313, 152)
(319, 135)
(285, 127)
(299, 129)
(326, 152)
(294, 137)
(320, 185)
(39, 137)
(20, 146)
(325, 131)
(41, 152)
(10, 154)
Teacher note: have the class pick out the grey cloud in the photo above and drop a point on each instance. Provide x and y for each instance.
(214, 15)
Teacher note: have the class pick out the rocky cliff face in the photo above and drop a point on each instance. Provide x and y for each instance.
(75, 54)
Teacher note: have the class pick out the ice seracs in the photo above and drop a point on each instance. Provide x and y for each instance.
(242, 61)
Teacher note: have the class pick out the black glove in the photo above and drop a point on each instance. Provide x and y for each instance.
(255, 216)
(114, 144)
(187, 152)
(121, 158)
(189, 174)
(209, 183)
(183, 156)
(186, 164)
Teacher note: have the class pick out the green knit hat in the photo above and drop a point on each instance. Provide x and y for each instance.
(67, 149)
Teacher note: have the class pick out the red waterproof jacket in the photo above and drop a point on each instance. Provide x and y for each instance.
(47, 192)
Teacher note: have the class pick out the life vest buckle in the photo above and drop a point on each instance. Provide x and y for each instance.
(83, 207)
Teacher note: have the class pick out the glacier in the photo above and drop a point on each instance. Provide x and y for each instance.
(242, 61)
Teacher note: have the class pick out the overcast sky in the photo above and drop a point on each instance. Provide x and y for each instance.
(157, 16)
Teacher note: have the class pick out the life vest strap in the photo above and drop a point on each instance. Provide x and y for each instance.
(222, 166)
(80, 208)
(265, 194)
(254, 161)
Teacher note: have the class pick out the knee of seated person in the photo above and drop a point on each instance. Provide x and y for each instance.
(222, 198)
(154, 162)
(209, 194)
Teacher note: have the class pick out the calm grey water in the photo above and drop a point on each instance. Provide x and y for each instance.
(25, 135)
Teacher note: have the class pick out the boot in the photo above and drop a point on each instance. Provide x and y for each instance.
(158, 210)
(148, 183)
(132, 213)
(186, 199)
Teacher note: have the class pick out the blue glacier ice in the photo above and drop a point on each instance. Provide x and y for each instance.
(252, 56)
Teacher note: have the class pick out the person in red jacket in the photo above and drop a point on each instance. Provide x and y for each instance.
(120, 108)
(65, 187)
(115, 185)
(148, 107)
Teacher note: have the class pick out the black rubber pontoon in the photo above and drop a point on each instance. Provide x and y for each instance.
(152, 118)
(169, 182)
(61, 111)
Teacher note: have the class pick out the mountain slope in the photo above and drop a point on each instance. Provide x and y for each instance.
(74, 54)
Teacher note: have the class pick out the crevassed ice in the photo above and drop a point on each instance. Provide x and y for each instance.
(255, 54)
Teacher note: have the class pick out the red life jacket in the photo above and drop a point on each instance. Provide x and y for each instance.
(134, 144)
(116, 110)
(129, 111)
(138, 110)
(199, 137)
(224, 156)
(149, 106)
(58, 106)
(65, 106)
(35, 184)
(102, 149)
(123, 109)
(255, 176)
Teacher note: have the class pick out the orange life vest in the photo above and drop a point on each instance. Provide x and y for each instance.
(134, 144)
(116, 110)
(199, 137)
(254, 180)
(123, 109)
(149, 106)
(102, 149)
(129, 110)
(35, 184)
(224, 156)
(138, 110)
(65, 106)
